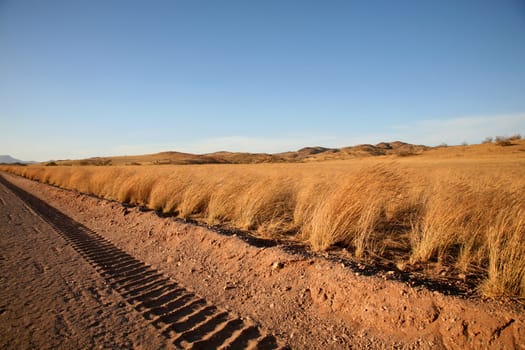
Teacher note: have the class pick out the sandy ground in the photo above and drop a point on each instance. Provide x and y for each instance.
(305, 301)
(182, 318)
(51, 298)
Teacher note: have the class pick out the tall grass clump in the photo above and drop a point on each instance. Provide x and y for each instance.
(448, 213)
(135, 189)
(354, 212)
(224, 198)
(457, 219)
(308, 197)
(195, 198)
(506, 267)
(167, 192)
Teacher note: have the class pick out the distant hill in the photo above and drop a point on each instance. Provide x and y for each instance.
(7, 159)
(306, 154)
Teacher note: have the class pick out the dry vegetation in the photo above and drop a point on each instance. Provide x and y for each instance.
(460, 207)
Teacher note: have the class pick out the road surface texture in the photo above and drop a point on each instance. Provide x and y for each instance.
(65, 286)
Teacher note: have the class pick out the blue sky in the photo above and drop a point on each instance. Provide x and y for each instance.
(92, 78)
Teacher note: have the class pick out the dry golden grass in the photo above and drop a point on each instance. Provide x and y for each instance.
(506, 242)
(356, 210)
(462, 207)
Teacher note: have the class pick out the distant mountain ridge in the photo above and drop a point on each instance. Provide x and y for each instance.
(305, 154)
(7, 159)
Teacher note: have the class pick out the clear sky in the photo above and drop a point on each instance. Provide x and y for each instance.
(108, 77)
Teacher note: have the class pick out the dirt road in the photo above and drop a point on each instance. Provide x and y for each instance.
(65, 286)
(51, 298)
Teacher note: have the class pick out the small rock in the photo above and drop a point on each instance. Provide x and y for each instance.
(401, 265)
(277, 265)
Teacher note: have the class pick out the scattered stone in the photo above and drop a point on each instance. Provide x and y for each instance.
(277, 265)
(401, 265)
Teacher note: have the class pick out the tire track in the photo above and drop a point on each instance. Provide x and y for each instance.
(180, 315)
